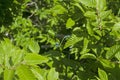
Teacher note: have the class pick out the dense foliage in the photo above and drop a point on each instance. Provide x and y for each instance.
(59, 40)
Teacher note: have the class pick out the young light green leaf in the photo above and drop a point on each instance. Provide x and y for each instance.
(70, 23)
(102, 74)
(58, 9)
(40, 73)
(91, 15)
(116, 27)
(34, 46)
(88, 56)
(117, 55)
(24, 73)
(88, 3)
(52, 75)
(85, 45)
(12, 54)
(73, 40)
(113, 50)
(101, 5)
(106, 63)
(1, 71)
(6, 46)
(1, 58)
(89, 28)
(51, 32)
(8, 74)
(37, 74)
(105, 14)
(115, 30)
(17, 56)
(35, 59)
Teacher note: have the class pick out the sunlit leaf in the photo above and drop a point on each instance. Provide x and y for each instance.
(117, 55)
(34, 46)
(70, 23)
(85, 45)
(58, 9)
(106, 63)
(89, 28)
(88, 56)
(37, 74)
(102, 74)
(91, 15)
(35, 59)
(113, 50)
(17, 56)
(101, 5)
(105, 14)
(9, 74)
(72, 40)
(89, 3)
(24, 73)
(52, 75)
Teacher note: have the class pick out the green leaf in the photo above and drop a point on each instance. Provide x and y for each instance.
(89, 3)
(34, 46)
(89, 28)
(115, 30)
(101, 5)
(88, 56)
(73, 40)
(102, 74)
(106, 63)
(70, 62)
(7, 50)
(35, 59)
(40, 73)
(116, 26)
(8, 74)
(24, 73)
(105, 14)
(113, 50)
(17, 56)
(52, 75)
(6, 46)
(80, 7)
(51, 32)
(1, 58)
(58, 9)
(90, 14)
(37, 74)
(85, 45)
(70, 23)
(1, 70)
(117, 55)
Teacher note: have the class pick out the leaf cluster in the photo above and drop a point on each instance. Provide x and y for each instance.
(60, 40)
